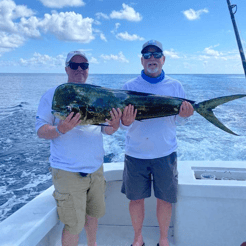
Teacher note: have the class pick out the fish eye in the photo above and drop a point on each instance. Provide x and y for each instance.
(69, 109)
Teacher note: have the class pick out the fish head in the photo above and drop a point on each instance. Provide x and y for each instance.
(65, 101)
(63, 111)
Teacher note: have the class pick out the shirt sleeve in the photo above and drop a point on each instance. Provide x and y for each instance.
(123, 127)
(103, 130)
(181, 120)
(44, 115)
(39, 123)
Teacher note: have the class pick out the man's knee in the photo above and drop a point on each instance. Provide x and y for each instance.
(163, 203)
(140, 201)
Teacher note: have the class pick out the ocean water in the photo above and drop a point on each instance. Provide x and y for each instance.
(24, 166)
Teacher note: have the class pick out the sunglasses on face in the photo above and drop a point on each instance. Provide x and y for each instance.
(155, 54)
(75, 66)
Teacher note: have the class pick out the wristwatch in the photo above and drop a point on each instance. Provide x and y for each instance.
(60, 133)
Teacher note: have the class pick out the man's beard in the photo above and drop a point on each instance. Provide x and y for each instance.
(154, 70)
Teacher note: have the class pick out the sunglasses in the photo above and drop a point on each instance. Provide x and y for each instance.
(75, 66)
(155, 54)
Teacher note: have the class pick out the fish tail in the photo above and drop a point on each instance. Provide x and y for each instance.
(205, 109)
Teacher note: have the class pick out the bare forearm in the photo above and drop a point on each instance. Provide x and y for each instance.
(47, 132)
(50, 132)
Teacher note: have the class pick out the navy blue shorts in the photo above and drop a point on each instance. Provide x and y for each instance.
(137, 178)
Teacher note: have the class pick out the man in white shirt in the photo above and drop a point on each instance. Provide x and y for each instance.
(151, 145)
(76, 159)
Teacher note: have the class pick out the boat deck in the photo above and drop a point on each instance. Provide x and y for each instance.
(122, 236)
(115, 226)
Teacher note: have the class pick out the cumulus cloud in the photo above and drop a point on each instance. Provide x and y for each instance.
(43, 60)
(128, 37)
(171, 53)
(10, 41)
(62, 3)
(18, 23)
(10, 12)
(68, 26)
(120, 57)
(191, 14)
(127, 13)
(29, 27)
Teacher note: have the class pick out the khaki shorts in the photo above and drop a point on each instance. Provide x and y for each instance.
(77, 196)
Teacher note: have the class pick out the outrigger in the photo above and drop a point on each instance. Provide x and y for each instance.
(240, 47)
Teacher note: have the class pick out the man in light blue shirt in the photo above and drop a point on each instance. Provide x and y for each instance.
(151, 145)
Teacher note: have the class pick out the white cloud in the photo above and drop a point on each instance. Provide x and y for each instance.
(120, 57)
(9, 12)
(211, 52)
(102, 16)
(9, 42)
(203, 57)
(43, 60)
(12, 11)
(191, 14)
(117, 25)
(171, 53)
(17, 23)
(127, 13)
(62, 3)
(29, 27)
(128, 37)
(94, 60)
(68, 26)
(102, 36)
(97, 22)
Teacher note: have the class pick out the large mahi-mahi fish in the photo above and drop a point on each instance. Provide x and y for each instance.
(94, 103)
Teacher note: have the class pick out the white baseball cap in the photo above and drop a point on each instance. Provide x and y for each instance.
(152, 43)
(71, 54)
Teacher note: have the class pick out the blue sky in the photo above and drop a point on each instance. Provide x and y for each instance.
(197, 36)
